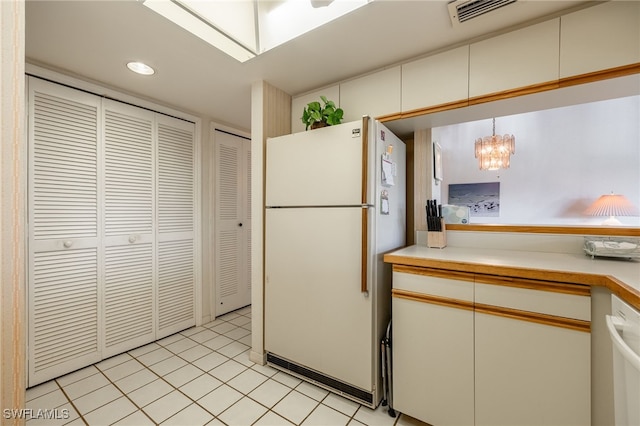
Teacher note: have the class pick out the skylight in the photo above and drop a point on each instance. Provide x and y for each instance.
(244, 29)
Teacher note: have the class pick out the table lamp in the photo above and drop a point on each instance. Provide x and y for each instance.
(611, 205)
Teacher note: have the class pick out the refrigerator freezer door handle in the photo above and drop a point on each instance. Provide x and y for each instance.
(365, 159)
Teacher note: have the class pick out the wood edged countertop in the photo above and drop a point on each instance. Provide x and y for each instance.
(620, 276)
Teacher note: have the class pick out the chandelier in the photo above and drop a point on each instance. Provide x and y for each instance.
(494, 152)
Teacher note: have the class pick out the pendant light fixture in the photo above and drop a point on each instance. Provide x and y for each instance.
(494, 152)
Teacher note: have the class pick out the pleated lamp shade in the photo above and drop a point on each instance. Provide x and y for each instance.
(611, 205)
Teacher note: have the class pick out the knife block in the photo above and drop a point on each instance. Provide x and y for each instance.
(437, 239)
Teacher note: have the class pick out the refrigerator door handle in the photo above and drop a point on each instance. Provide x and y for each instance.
(365, 159)
(364, 272)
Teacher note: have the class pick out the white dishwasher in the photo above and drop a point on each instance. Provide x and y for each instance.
(624, 329)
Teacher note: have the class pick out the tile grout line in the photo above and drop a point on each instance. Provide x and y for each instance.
(71, 402)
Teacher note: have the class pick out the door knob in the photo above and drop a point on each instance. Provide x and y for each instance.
(240, 224)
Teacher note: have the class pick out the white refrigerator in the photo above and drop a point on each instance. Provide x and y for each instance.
(335, 203)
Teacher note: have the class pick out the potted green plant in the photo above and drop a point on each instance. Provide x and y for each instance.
(316, 115)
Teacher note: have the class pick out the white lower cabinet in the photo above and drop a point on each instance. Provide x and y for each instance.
(530, 374)
(457, 361)
(433, 361)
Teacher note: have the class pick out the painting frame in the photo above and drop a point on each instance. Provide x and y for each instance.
(437, 162)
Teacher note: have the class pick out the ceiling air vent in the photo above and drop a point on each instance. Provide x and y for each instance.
(464, 10)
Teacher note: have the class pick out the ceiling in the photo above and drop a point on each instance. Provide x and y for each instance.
(95, 39)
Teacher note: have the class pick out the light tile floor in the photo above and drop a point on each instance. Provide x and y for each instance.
(199, 376)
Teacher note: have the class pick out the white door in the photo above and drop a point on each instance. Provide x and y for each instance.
(175, 235)
(128, 293)
(315, 311)
(232, 222)
(64, 229)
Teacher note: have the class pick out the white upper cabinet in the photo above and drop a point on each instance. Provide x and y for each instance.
(436, 80)
(373, 95)
(518, 59)
(600, 37)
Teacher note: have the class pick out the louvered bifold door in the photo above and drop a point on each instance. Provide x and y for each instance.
(64, 229)
(232, 223)
(128, 227)
(175, 225)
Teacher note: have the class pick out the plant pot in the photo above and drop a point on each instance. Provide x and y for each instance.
(318, 124)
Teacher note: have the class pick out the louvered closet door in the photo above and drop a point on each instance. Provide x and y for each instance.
(64, 229)
(176, 225)
(232, 223)
(128, 228)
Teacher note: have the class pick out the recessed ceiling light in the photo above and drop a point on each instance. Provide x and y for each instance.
(141, 68)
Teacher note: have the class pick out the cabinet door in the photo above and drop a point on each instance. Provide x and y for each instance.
(373, 95)
(527, 373)
(436, 80)
(433, 377)
(128, 228)
(176, 225)
(600, 37)
(64, 270)
(518, 59)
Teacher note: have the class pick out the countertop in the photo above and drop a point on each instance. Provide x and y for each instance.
(621, 276)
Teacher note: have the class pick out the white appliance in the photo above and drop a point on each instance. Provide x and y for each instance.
(624, 329)
(335, 203)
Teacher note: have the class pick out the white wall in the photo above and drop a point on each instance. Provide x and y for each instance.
(565, 159)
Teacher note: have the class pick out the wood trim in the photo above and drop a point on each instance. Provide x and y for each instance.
(568, 323)
(434, 300)
(549, 286)
(622, 290)
(365, 253)
(431, 272)
(514, 93)
(365, 158)
(424, 111)
(548, 229)
(423, 170)
(13, 190)
(365, 211)
(592, 77)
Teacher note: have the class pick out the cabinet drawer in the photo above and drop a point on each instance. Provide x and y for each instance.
(559, 304)
(419, 280)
